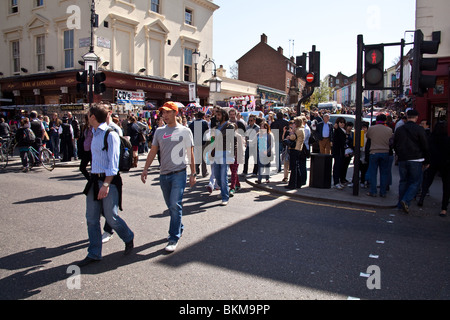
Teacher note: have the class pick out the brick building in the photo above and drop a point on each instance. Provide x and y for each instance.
(269, 67)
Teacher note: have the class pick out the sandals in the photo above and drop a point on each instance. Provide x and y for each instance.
(443, 213)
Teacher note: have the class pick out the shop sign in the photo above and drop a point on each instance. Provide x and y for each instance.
(131, 97)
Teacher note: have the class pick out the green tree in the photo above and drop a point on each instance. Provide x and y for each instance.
(321, 94)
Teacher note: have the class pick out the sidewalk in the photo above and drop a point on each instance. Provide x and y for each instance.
(345, 196)
(335, 196)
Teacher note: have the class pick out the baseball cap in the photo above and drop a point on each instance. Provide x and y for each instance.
(169, 106)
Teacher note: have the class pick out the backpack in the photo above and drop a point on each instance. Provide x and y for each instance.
(126, 149)
(28, 136)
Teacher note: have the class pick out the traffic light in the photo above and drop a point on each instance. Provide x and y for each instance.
(82, 78)
(314, 67)
(420, 82)
(300, 71)
(99, 86)
(374, 67)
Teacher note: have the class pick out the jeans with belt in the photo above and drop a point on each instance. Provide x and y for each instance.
(172, 186)
(110, 208)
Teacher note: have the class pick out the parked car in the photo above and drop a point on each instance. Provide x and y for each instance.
(347, 117)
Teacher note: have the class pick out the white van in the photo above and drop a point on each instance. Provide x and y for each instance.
(330, 106)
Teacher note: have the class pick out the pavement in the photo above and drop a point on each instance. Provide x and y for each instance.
(331, 195)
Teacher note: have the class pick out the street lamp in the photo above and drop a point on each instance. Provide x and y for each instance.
(215, 83)
(195, 58)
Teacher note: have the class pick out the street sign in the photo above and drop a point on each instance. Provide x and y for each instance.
(310, 78)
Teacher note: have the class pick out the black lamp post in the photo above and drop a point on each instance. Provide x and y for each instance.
(215, 83)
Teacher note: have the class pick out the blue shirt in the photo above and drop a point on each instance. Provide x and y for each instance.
(326, 130)
(103, 161)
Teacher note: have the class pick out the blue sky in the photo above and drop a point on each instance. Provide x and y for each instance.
(333, 26)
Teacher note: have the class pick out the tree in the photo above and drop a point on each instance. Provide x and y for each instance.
(321, 94)
(234, 71)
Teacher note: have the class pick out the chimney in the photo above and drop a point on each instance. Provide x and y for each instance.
(263, 38)
(280, 50)
(221, 72)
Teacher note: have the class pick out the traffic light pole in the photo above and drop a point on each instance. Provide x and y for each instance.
(358, 124)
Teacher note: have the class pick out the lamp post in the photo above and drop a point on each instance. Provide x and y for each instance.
(195, 58)
(215, 83)
(90, 59)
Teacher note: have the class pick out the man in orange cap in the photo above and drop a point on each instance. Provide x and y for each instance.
(176, 146)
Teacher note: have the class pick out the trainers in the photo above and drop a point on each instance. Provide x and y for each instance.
(232, 192)
(224, 203)
(210, 190)
(171, 246)
(339, 186)
(106, 237)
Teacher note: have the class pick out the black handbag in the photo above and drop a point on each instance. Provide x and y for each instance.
(290, 143)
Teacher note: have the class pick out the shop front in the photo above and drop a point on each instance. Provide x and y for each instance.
(51, 90)
(434, 105)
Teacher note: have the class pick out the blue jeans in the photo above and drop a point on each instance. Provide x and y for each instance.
(378, 160)
(172, 186)
(110, 208)
(220, 172)
(410, 180)
(54, 138)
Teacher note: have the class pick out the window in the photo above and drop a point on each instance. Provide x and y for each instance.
(40, 53)
(188, 16)
(68, 49)
(16, 56)
(38, 3)
(187, 64)
(156, 6)
(14, 6)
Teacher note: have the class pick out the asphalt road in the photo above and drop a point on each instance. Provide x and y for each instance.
(259, 247)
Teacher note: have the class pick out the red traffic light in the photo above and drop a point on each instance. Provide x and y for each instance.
(374, 56)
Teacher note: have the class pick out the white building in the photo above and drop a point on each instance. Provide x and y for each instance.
(142, 45)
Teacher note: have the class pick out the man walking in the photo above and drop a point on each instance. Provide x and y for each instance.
(176, 146)
(223, 152)
(104, 189)
(411, 147)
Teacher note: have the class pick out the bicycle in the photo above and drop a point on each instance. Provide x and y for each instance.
(45, 156)
(4, 146)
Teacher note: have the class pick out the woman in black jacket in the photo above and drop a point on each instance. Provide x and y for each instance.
(439, 162)
(338, 152)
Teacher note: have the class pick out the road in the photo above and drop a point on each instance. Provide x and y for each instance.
(260, 247)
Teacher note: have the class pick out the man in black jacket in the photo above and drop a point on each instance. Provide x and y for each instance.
(411, 147)
(279, 125)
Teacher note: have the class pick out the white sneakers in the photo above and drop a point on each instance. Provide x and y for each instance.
(106, 237)
(338, 186)
(171, 246)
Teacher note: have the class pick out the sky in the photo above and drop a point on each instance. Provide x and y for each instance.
(296, 25)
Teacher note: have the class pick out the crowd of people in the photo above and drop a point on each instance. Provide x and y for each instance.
(280, 139)
(221, 141)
